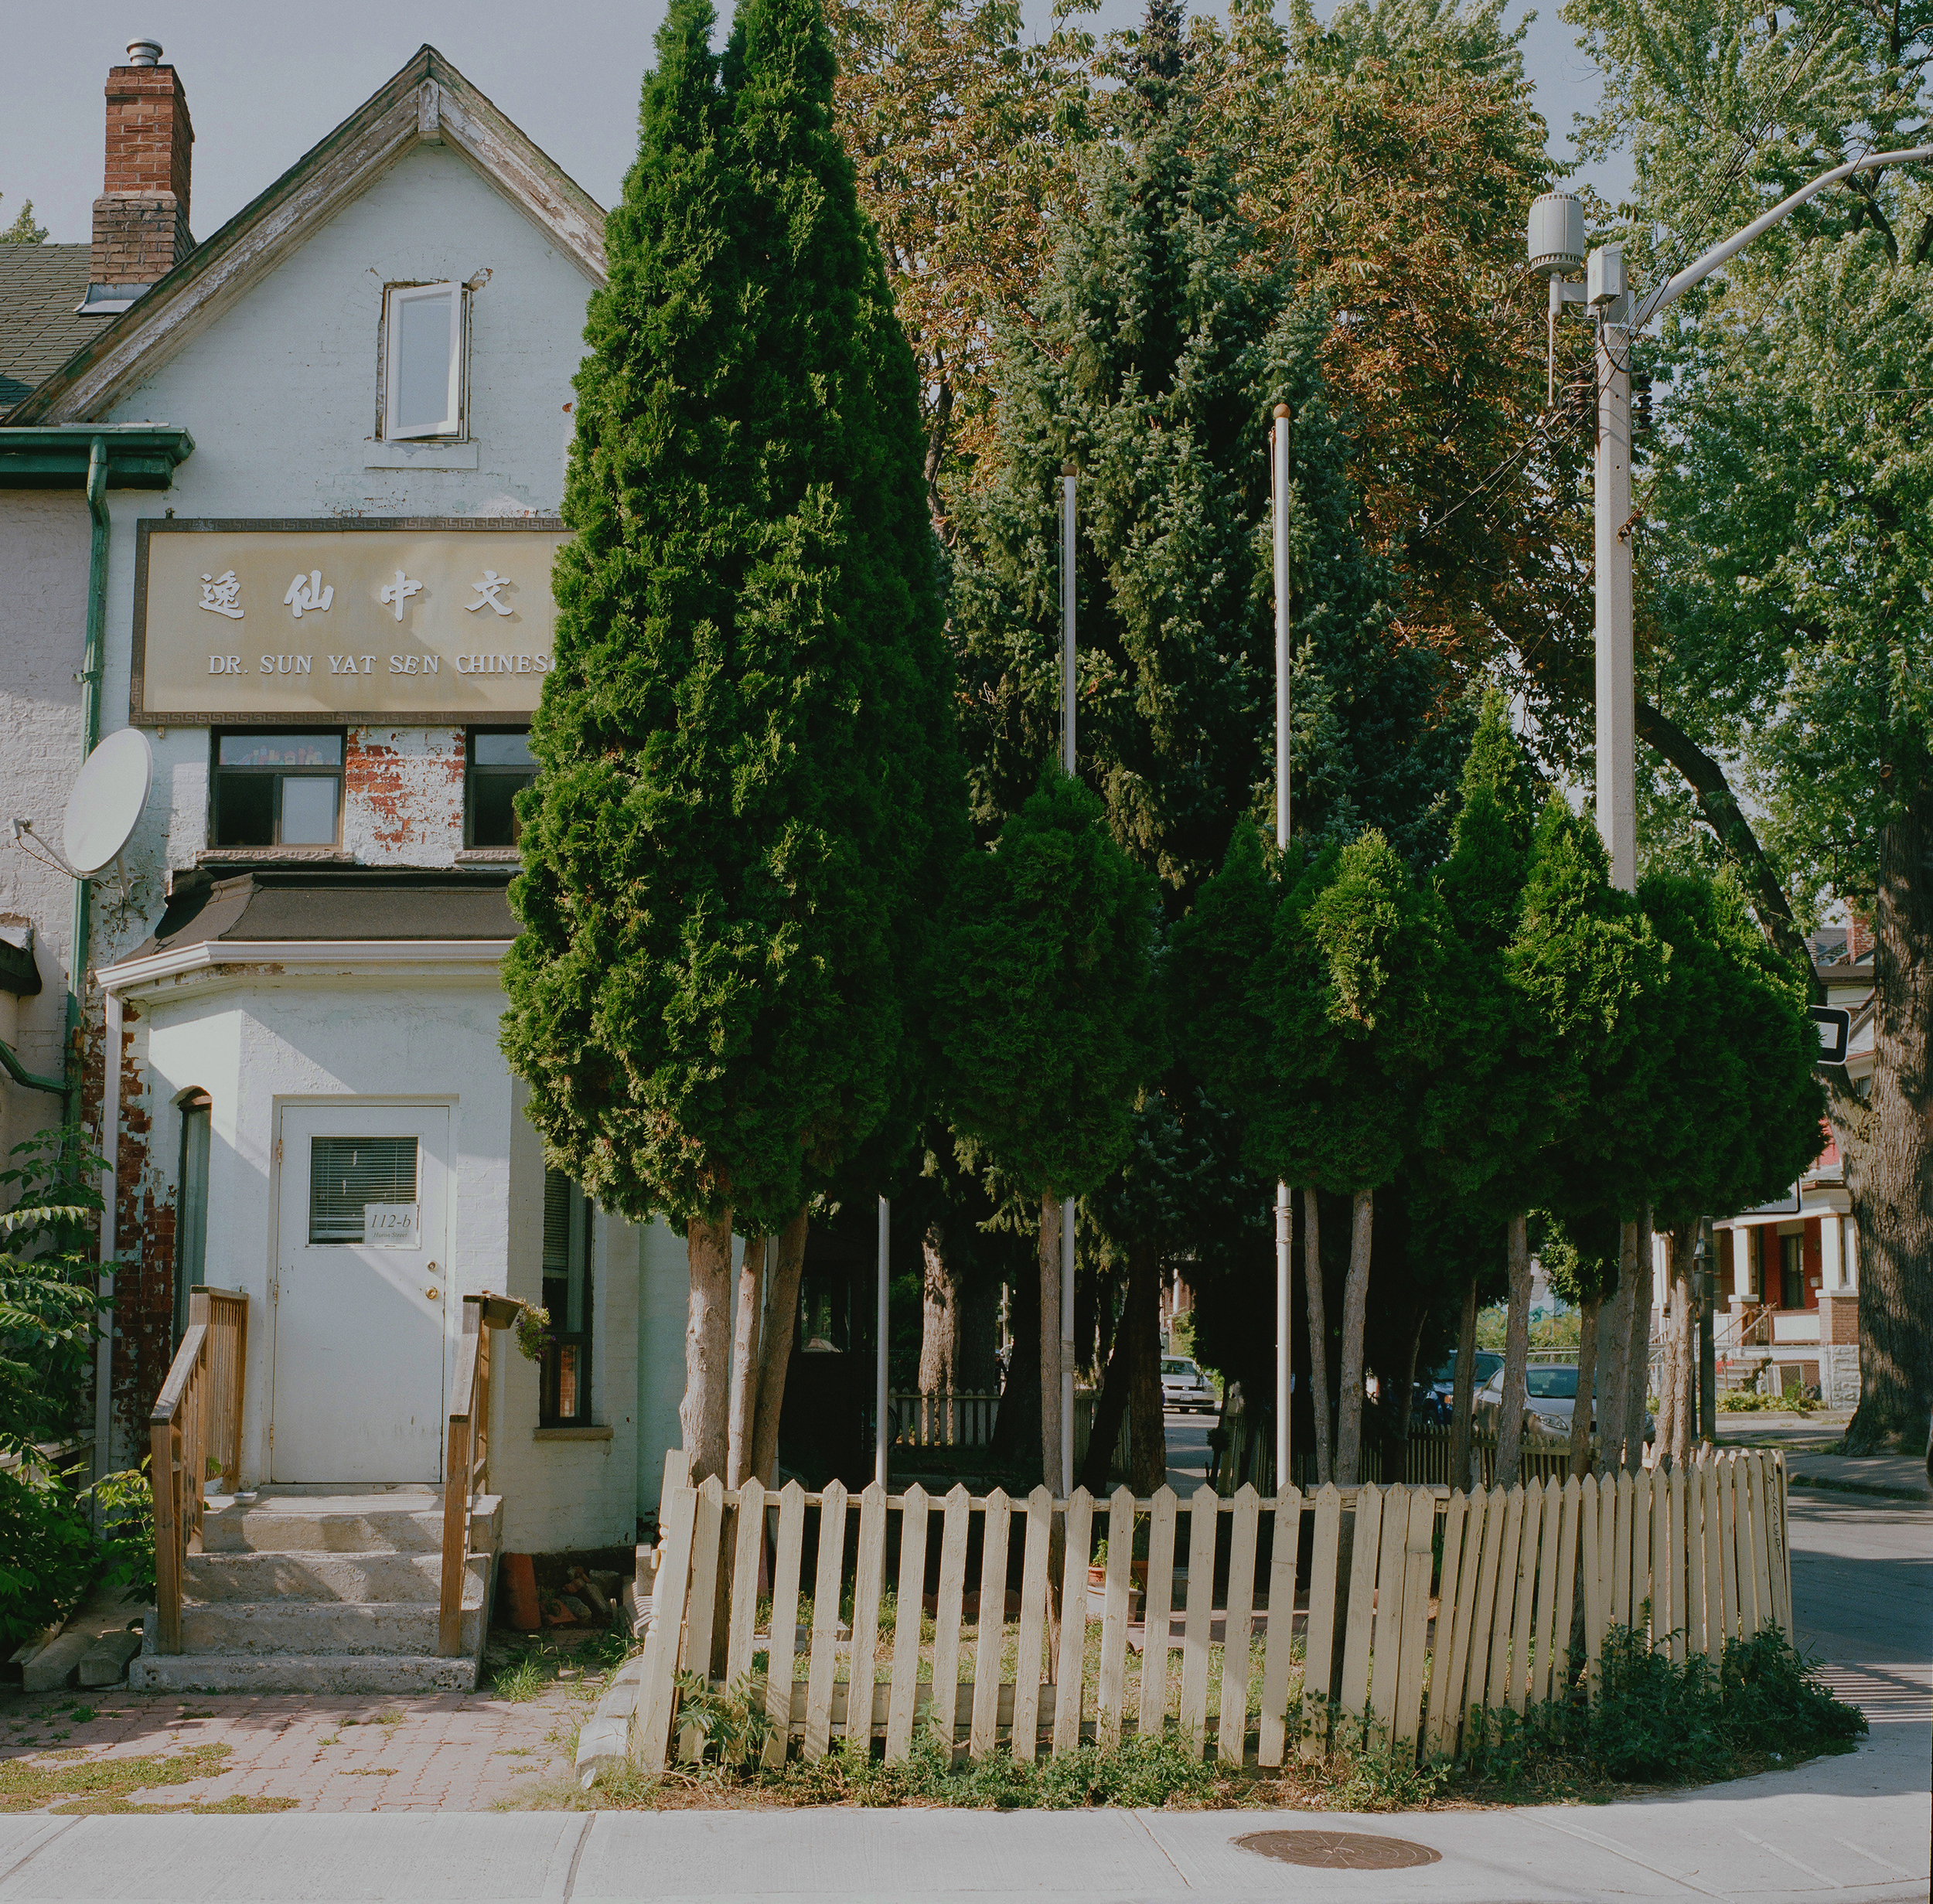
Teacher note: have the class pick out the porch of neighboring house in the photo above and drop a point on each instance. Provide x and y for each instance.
(1792, 1321)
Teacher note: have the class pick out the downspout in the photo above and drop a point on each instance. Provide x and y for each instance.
(80, 951)
(110, 1146)
(89, 680)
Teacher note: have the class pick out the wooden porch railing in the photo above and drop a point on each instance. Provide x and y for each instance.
(466, 1455)
(196, 1421)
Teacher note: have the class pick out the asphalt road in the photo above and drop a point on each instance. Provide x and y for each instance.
(1188, 1450)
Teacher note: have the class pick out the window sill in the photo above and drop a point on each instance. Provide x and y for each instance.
(425, 455)
(273, 855)
(588, 1431)
(489, 856)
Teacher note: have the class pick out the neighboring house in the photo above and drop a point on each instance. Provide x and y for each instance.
(1791, 1295)
(333, 437)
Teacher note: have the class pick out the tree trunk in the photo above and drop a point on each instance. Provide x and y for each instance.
(1110, 1408)
(1355, 1303)
(708, 1330)
(1584, 1409)
(1462, 1396)
(1678, 1403)
(1614, 1347)
(938, 1337)
(1318, 1334)
(1890, 1175)
(746, 1316)
(774, 1357)
(1051, 1324)
(1516, 1354)
(1638, 1357)
(1141, 1322)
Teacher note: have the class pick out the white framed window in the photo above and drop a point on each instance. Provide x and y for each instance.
(422, 361)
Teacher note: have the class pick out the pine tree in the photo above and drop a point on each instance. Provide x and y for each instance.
(735, 841)
(1046, 1016)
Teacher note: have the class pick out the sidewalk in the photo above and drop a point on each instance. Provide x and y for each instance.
(1897, 1477)
(1855, 1828)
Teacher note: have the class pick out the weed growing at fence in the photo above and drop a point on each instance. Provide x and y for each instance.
(1655, 1722)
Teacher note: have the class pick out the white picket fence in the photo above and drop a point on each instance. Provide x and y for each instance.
(1414, 1648)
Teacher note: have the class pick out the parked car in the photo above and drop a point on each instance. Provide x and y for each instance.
(1550, 1396)
(1550, 1393)
(1184, 1388)
(1436, 1391)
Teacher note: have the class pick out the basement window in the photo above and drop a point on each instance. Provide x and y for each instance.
(563, 1377)
(277, 789)
(422, 361)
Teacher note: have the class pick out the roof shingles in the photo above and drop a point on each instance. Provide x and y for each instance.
(40, 328)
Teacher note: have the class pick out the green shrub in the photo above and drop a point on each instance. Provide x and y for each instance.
(48, 1554)
(127, 1506)
(1655, 1722)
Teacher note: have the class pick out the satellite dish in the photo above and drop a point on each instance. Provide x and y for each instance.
(108, 794)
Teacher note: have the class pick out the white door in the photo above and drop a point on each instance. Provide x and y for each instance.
(362, 1276)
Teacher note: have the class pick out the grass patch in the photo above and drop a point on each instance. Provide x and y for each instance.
(236, 1803)
(33, 1784)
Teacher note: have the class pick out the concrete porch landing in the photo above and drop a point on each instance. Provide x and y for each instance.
(305, 1592)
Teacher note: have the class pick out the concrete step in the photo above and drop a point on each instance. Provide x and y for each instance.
(398, 1522)
(302, 1672)
(410, 1578)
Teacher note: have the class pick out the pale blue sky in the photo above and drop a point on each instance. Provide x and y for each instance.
(265, 82)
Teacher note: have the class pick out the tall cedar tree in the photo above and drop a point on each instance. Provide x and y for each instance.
(1740, 1102)
(734, 845)
(1046, 1017)
(1586, 974)
(1481, 1107)
(1353, 977)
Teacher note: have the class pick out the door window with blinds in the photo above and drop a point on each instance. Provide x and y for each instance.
(350, 1177)
(564, 1390)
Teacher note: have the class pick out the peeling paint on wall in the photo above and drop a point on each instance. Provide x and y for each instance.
(403, 795)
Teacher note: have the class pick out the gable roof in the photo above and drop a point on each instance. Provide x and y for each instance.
(428, 102)
(41, 287)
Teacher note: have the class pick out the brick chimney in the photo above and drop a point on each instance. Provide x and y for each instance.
(141, 219)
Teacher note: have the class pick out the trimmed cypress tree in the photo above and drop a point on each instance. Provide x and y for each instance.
(1045, 1016)
(735, 836)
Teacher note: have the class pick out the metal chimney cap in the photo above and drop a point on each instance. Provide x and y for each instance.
(1555, 236)
(144, 52)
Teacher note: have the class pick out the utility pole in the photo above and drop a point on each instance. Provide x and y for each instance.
(881, 1398)
(1068, 479)
(1284, 1226)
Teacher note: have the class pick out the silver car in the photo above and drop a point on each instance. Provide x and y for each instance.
(1550, 1394)
(1183, 1387)
(1550, 1397)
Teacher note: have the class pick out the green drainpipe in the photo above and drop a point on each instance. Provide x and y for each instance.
(90, 679)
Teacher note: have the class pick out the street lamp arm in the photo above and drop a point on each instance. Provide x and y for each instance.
(1674, 288)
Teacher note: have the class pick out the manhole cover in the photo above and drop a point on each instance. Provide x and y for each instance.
(1339, 1851)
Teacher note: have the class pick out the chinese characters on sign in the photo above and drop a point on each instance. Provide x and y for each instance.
(391, 618)
(307, 591)
(221, 595)
(488, 591)
(400, 591)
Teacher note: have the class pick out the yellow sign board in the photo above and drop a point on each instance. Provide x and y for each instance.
(433, 620)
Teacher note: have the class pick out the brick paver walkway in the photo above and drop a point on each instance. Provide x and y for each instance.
(444, 1752)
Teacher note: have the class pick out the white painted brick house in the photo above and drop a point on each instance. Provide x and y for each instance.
(364, 381)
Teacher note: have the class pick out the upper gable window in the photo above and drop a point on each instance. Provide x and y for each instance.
(423, 361)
